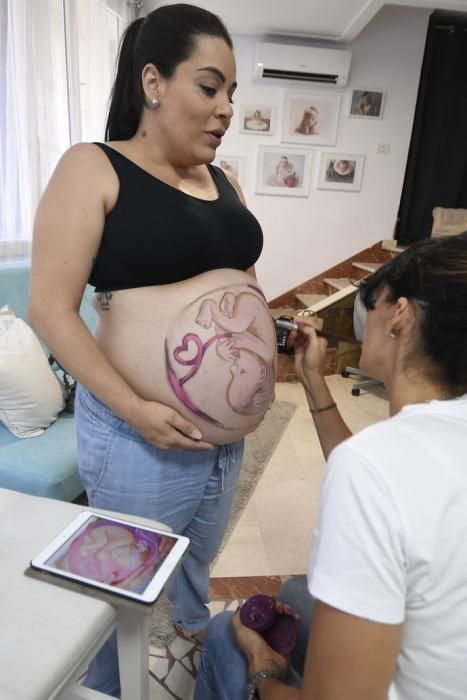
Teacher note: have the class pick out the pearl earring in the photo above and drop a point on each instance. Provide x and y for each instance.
(390, 334)
(155, 103)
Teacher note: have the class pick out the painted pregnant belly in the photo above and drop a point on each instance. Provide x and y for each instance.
(220, 357)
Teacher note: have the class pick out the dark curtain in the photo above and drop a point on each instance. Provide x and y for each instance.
(436, 171)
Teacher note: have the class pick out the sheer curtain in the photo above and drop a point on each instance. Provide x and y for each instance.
(57, 60)
(99, 28)
(36, 121)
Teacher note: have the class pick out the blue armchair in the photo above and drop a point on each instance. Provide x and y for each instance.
(45, 465)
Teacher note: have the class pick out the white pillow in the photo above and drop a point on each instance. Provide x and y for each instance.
(31, 394)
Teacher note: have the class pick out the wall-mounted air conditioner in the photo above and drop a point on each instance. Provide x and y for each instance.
(307, 64)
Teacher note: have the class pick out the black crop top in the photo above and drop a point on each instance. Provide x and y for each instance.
(156, 234)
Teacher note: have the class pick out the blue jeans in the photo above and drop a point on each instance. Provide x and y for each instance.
(190, 491)
(223, 672)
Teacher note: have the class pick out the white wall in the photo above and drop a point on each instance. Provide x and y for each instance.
(305, 236)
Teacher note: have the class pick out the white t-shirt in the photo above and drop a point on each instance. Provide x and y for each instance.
(392, 541)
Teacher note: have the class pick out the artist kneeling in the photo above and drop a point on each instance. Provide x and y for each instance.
(386, 599)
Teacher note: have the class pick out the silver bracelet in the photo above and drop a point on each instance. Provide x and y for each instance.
(260, 676)
(314, 411)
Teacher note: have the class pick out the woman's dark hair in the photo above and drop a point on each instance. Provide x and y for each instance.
(166, 37)
(432, 274)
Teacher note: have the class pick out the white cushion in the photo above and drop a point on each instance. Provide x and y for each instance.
(31, 395)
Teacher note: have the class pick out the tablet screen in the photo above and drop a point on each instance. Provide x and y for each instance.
(114, 553)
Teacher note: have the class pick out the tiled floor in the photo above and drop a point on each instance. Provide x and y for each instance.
(172, 670)
(272, 538)
(273, 534)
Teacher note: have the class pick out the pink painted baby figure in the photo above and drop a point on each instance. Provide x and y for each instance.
(250, 349)
(113, 553)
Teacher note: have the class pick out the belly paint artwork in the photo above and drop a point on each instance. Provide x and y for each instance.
(225, 337)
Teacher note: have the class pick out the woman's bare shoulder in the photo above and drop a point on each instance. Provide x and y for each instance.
(84, 155)
(235, 184)
(84, 169)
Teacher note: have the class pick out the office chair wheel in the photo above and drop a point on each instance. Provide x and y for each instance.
(345, 374)
(355, 391)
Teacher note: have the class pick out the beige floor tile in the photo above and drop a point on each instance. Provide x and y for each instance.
(285, 391)
(307, 447)
(244, 554)
(159, 666)
(216, 606)
(290, 391)
(285, 463)
(179, 647)
(157, 692)
(286, 513)
(180, 681)
(249, 515)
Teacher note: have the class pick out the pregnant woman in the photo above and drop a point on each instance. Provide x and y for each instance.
(182, 362)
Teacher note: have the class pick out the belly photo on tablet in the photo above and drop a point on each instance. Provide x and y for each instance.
(114, 555)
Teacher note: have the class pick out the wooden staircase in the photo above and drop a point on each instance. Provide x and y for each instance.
(329, 297)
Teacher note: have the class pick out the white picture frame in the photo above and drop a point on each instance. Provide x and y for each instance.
(340, 171)
(233, 164)
(366, 104)
(310, 117)
(283, 171)
(257, 119)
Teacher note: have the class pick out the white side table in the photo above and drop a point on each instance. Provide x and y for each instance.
(49, 633)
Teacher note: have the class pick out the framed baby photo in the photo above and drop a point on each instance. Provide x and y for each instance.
(340, 171)
(283, 171)
(366, 104)
(233, 164)
(310, 118)
(257, 119)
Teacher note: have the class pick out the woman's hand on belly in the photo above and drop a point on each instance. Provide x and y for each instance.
(163, 427)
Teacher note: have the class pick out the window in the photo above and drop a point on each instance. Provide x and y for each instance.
(99, 29)
(57, 60)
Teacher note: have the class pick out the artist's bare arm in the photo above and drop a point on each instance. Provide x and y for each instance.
(67, 233)
(309, 359)
(348, 658)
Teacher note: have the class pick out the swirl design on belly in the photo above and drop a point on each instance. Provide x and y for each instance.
(200, 350)
(195, 363)
(236, 345)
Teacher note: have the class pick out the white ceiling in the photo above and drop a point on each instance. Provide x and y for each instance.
(338, 20)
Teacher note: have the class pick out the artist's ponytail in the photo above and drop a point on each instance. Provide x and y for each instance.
(126, 100)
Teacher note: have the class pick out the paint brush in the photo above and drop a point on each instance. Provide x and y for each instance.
(294, 326)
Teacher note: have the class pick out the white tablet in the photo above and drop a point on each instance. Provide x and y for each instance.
(114, 555)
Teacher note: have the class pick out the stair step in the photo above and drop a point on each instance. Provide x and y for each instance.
(337, 282)
(309, 300)
(391, 245)
(330, 300)
(367, 266)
